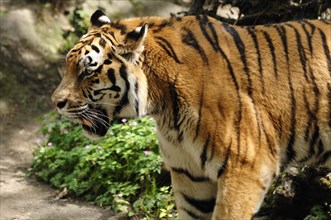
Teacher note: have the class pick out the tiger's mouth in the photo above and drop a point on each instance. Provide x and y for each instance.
(95, 122)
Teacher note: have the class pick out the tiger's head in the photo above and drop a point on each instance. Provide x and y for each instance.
(103, 78)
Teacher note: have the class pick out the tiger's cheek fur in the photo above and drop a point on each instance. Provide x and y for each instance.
(137, 95)
(131, 100)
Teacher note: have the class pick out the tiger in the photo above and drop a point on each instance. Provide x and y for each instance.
(232, 104)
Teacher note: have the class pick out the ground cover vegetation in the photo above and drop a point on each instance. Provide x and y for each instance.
(121, 171)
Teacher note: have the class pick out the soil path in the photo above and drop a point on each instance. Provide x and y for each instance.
(24, 198)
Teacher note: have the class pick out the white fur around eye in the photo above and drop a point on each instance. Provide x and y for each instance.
(91, 61)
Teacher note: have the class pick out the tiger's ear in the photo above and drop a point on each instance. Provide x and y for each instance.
(99, 18)
(133, 44)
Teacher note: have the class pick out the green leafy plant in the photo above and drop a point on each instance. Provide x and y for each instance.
(119, 171)
(79, 20)
(319, 212)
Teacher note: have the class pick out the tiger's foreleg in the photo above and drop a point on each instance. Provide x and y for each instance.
(194, 195)
(241, 190)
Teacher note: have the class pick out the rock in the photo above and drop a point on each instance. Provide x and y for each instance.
(297, 192)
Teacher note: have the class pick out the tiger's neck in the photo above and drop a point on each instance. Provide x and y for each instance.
(162, 60)
(164, 65)
(161, 72)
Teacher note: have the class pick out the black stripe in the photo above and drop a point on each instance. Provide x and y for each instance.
(108, 38)
(102, 42)
(120, 27)
(111, 76)
(179, 18)
(258, 122)
(95, 100)
(69, 56)
(224, 164)
(311, 114)
(305, 159)
(290, 150)
(75, 50)
(272, 51)
(325, 157)
(93, 64)
(237, 121)
(270, 144)
(256, 45)
(99, 69)
(280, 131)
(82, 75)
(115, 88)
(113, 35)
(168, 48)
(175, 110)
(202, 24)
(87, 42)
(301, 51)
(136, 87)
(112, 88)
(165, 23)
(189, 175)
(191, 214)
(203, 155)
(189, 39)
(314, 139)
(213, 146)
(282, 33)
(95, 48)
(320, 148)
(326, 50)
(329, 102)
(84, 93)
(312, 26)
(107, 62)
(315, 90)
(309, 38)
(97, 35)
(125, 99)
(198, 125)
(203, 205)
(241, 49)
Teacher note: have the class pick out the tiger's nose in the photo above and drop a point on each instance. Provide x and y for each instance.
(61, 104)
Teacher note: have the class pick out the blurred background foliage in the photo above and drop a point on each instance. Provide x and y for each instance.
(124, 170)
(254, 12)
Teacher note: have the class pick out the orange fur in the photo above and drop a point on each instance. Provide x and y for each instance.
(232, 104)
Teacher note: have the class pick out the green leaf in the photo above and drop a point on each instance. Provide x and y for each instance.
(119, 170)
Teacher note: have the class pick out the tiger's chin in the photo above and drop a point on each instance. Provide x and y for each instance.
(95, 127)
(94, 133)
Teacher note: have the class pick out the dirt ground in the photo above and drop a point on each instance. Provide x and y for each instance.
(20, 196)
